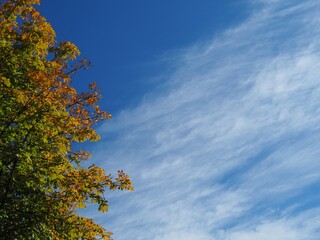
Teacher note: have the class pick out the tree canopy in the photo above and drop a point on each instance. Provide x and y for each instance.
(43, 180)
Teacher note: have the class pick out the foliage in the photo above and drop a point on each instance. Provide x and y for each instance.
(42, 178)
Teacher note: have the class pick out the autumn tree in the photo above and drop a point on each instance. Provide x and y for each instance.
(43, 180)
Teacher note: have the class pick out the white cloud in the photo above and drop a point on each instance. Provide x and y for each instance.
(296, 228)
(230, 147)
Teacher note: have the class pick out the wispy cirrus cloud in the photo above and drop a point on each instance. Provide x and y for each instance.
(228, 149)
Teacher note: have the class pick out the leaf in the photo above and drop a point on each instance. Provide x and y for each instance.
(41, 117)
(103, 208)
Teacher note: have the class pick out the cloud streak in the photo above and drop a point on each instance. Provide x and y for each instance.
(228, 149)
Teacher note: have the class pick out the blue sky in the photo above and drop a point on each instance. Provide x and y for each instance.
(216, 114)
(127, 40)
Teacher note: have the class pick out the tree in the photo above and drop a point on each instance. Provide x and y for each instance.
(42, 177)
